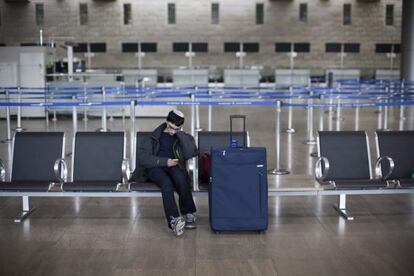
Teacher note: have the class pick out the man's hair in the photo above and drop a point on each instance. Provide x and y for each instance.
(176, 117)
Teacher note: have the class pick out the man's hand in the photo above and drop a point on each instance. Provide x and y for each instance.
(172, 162)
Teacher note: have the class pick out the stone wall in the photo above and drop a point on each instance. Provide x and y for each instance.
(237, 24)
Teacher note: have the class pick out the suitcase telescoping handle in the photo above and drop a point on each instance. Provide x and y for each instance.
(243, 117)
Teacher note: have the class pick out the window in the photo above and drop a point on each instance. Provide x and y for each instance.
(171, 13)
(83, 14)
(287, 47)
(283, 47)
(347, 17)
(389, 15)
(351, 47)
(149, 47)
(387, 48)
(259, 13)
(40, 14)
(129, 47)
(303, 12)
(199, 47)
(127, 14)
(347, 47)
(81, 48)
(180, 47)
(333, 47)
(301, 47)
(98, 47)
(215, 13)
(231, 47)
(397, 48)
(251, 47)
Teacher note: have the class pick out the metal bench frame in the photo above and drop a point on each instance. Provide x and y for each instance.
(26, 209)
(314, 191)
(321, 175)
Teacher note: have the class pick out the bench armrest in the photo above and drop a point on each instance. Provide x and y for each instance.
(126, 171)
(321, 174)
(61, 170)
(2, 172)
(378, 168)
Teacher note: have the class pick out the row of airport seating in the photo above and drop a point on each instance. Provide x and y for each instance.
(99, 161)
(100, 169)
(345, 160)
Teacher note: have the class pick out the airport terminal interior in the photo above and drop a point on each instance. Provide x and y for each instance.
(325, 87)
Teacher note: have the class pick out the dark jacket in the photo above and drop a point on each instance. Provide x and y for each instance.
(184, 148)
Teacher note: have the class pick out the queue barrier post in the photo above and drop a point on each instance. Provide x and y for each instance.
(8, 125)
(278, 170)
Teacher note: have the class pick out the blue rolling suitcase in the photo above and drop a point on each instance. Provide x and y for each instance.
(238, 189)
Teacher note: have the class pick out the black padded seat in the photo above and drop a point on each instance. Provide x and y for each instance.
(209, 139)
(349, 160)
(399, 146)
(25, 186)
(406, 183)
(354, 184)
(34, 156)
(90, 186)
(97, 164)
(144, 187)
(203, 186)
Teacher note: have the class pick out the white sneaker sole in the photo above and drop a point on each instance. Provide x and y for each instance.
(190, 226)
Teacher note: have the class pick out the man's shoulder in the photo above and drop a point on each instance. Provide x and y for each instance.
(158, 131)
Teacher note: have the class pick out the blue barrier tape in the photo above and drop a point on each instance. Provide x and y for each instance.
(369, 96)
(200, 103)
(173, 92)
(65, 104)
(345, 105)
(198, 92)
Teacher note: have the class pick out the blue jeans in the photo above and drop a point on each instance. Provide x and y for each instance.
(171, 179)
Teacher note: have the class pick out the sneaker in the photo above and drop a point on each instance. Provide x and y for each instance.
(190, 221)
(177, 225)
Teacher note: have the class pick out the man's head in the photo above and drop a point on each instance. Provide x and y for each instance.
(175, 119)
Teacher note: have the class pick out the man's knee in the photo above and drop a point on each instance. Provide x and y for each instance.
(179, 177)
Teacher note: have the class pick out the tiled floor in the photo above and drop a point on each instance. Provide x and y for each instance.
(128, 236)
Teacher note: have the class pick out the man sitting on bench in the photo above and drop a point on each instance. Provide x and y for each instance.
(162, 159)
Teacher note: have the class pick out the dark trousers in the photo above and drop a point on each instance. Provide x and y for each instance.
(169, 180)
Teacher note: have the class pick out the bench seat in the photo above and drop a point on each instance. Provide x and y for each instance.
(90, 186)
(25, 186)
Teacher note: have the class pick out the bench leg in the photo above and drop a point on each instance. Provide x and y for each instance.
(341, 207)
(26, 210)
